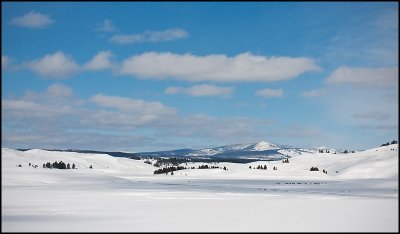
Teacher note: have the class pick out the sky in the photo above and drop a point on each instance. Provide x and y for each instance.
(149, 76)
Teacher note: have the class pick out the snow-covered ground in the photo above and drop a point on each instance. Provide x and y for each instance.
(359, 193)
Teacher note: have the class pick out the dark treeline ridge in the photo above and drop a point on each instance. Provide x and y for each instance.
(176, 161)
(168, 169)
(163, 160)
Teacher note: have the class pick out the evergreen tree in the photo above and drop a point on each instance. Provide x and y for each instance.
(68, 166)
(73, 166)
(265, 167)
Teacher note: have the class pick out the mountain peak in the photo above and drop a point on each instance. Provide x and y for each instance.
(263, 145)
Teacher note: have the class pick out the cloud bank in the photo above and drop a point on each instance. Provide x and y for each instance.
(270, 93)
(362, 76)
(150, 36)
(202, 90)
(56, 65)
(244, 67)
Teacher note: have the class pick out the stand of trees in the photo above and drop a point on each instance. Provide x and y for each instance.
(168, 169)
(391, 143)
(207, 167)
(286, 160)
(314, 169)
(323, 151)
(170, 161)
(58, 165)
(260, 167)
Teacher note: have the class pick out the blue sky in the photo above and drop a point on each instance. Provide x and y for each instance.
(154, 76)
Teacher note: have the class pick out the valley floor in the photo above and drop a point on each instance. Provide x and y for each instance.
(140, 204)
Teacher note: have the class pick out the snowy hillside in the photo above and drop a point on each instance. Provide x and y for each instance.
(379, 162)
(359, 192)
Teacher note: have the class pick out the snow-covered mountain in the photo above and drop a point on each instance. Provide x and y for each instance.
(261, 150)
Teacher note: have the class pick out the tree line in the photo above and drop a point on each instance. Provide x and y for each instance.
(59, 165)
(391, 143)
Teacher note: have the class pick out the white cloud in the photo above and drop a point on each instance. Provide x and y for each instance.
(132, 105)
(5, 62)
(59, 90)
(101, 61)
(314, 93)
(173, 90)
(375, 115)
(150, 36)
(39, 109)
(107, 26)
(362, 76)
(202, 90)
(244, 67)
(32, 20)
(56, 65)
(270, 92)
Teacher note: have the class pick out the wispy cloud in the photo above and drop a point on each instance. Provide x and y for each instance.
(56, 65)
(314, 93)
(5, 62)
(244, 67)
(296, 130)
(375, 115)
(380, 127)
(150, 36)
(374, 42)
(101, 61)
(363, 76)
(202, 90)
(32, 20)
(270, 93)
(132, 105)
(59, 90)
(106, 26)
